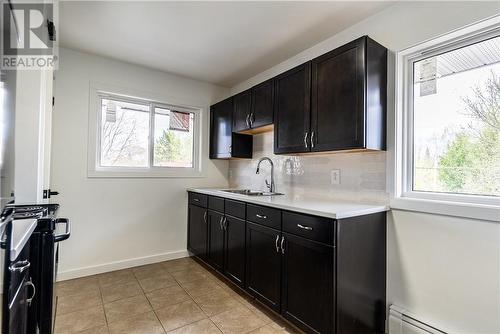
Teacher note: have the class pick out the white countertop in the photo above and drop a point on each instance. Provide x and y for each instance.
(314, 206)
(21, 233)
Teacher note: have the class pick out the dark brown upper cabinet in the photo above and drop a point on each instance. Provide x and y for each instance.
(335, 102)
(253, 109)
(348, 97)
(242, 111)
(262, 105)
(292, 114)
(224, 144)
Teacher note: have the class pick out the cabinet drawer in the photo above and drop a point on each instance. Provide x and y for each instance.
(311, 227)
(198, 199)
(216, 203)
(235, 208)
(264, 216)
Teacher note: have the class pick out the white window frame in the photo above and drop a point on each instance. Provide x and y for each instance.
(95, 170)
(403, 196)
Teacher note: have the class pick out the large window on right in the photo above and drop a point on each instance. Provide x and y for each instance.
(450, 118)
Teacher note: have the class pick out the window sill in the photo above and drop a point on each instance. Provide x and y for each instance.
(447, 208)
(144, 174)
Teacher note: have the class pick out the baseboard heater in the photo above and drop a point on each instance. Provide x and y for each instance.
(403, 322)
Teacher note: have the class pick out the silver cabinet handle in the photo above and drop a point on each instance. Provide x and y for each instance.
(19, 266)
(252, 118)
(276, 243)
(196, 199)
(205, 216)
(282, 245)
(220, 222)
(29, 300)
(247, 120)
(224, 224)
(261, 216)
(308, 228)
(305, 139)
(312, 139)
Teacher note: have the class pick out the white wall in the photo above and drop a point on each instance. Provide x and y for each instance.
(117, 222)
(444, 269)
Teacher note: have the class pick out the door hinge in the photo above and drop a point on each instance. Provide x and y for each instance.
(51, 30)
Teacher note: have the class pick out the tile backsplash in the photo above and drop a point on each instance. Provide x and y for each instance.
(362, 174)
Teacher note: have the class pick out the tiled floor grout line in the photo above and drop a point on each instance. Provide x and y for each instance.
(239, 302)
(223, 285)
(161, 324)
(192, 298)
(188, 294)
(152, 308)
(103, 308)
(206, 274)
(103, 303)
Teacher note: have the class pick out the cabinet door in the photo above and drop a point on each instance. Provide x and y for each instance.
(221, 123)
(215, 254)
(262, 104)
(292, 110)
(235, 249)
(197, 230)
(338, 98)
(308, 284)
(242, 111)
(263, 266)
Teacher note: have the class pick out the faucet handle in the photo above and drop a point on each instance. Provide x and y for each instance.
(270, 186)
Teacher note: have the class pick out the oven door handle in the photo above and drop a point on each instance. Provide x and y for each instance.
(67, 233)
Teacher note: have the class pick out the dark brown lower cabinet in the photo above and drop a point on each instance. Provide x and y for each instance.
(308, 296)
(361, 274)
(197, 230)
(234, 264)
(263, 276)
(215, 253)
(323, 275)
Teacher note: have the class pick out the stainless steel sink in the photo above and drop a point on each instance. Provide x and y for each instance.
(250, 192)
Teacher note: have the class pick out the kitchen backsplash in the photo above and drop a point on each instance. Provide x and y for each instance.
(362, 174)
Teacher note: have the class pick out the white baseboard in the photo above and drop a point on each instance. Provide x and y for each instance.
(123, 264)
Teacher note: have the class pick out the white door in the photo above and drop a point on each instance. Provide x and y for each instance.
(45, 133)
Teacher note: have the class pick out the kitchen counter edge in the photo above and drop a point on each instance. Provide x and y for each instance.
(327, 209)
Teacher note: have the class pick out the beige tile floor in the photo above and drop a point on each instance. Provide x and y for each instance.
(178, 296)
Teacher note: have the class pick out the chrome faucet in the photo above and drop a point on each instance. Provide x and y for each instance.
(271, 185)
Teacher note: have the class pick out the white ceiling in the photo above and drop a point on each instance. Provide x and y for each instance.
(218, 42)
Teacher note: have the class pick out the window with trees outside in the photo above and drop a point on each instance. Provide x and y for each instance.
(140, 135)
(450, 115)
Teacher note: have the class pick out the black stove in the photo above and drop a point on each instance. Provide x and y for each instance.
(30, 208)
(28, 215)
(45, 209)
(32, 308)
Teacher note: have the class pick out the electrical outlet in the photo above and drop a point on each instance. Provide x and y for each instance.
(335, 176)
